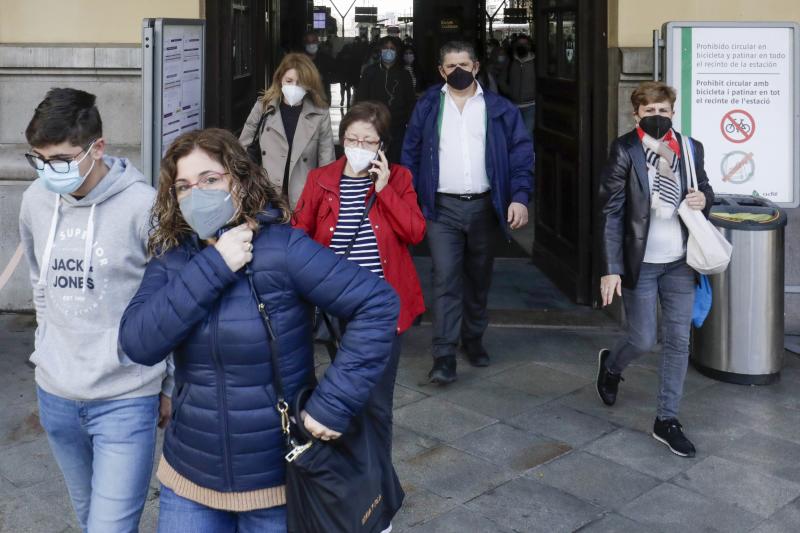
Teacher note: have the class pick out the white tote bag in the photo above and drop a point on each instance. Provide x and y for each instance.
(707, 251)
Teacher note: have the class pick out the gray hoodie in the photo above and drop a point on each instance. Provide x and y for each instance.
(87, 258)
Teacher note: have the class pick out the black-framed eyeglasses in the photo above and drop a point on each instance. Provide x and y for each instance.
(207, 181)
(57, 164)
(366, 144)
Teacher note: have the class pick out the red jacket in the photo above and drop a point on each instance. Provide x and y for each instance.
(396, 220)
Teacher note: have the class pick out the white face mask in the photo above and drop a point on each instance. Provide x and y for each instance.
(359, 158)
(312, 48)
(293, 94)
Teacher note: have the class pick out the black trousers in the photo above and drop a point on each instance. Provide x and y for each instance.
(379, 406)
(461, 252)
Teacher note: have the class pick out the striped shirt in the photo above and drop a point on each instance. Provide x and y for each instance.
(352, 202)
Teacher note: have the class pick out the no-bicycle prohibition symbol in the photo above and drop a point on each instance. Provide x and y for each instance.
(737, 126)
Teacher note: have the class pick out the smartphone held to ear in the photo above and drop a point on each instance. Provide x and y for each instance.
(373, 172)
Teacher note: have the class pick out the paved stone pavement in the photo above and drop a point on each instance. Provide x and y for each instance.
(524, 445)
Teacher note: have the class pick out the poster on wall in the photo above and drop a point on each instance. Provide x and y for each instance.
(182, 84)
(738, 90)
(173, 70)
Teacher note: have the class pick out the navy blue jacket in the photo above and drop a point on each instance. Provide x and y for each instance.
(509, 153)
(225, 433)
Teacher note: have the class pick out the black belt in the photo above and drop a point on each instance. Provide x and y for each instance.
(466, 197)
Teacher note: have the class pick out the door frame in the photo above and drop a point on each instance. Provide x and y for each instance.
(219, 65)
(592, 135)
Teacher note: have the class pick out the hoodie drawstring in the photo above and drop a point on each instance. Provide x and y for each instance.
(51, 237)
(48, 249)
(87, 249)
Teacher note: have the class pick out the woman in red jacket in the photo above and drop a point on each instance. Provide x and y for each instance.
(332, 205)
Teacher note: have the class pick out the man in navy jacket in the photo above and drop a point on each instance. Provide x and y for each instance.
(472, 161)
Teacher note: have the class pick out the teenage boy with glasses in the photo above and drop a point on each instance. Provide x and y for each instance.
(84, 225)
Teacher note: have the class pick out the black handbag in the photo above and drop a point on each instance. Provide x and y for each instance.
(328, 330)
(347, 485)
(254, 148)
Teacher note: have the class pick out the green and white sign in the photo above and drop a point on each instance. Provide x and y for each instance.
(738, 87)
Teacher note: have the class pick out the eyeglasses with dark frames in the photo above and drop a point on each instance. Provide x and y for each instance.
(361, 143)
(59, 165)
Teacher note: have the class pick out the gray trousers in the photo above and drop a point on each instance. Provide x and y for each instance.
(673, 284)
(460, 241)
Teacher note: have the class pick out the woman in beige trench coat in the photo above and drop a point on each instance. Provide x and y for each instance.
(296, 134)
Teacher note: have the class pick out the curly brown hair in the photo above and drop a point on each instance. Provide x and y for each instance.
(249, 184)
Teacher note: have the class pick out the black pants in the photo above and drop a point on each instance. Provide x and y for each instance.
(461, 251)
(396, 145)
(379, 406)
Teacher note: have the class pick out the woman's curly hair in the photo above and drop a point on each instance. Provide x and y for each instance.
(250, 187)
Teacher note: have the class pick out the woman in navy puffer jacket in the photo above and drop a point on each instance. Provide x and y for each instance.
(222, 467)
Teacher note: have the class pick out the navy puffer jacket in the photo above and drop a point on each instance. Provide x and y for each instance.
(225, 433)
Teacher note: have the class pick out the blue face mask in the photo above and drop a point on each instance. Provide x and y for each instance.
(388, 55)
(207, 210)
(68, 182)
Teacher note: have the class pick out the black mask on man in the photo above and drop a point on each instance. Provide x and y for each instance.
(460, 79)
(522, 51)
(656, 126)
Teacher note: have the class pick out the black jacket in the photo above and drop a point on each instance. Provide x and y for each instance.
(625, 204)
(393, 87)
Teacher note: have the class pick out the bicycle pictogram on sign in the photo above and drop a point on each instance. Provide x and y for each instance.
(738, 126)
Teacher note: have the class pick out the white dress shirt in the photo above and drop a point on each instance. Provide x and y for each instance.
(462, 145)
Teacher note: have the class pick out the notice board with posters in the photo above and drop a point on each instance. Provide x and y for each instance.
(173, 89)
(738, 86)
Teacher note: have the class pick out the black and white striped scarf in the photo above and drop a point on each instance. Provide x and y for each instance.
(665, 196)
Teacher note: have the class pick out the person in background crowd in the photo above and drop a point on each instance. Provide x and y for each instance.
(296, 133)
(361, 47)
(644, 252)
(412, 67)
(485, 77)
(326, 66)
(83, 226)
(472, 161)
(518, 80)
(219, 227)
(388, 82)
(349, 66)
(491, 46)
(496, 65)
(335, 197)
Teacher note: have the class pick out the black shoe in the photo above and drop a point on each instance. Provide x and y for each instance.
(476, 354)
(444, 370)
(607, 382)
(670, 432)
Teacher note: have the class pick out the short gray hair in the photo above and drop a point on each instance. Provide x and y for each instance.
(457, 47)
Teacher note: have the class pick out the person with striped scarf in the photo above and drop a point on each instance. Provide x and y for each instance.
(644, 252)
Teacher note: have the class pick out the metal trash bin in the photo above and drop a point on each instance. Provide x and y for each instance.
(741, 340)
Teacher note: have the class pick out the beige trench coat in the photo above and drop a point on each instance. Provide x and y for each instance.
(312, 146)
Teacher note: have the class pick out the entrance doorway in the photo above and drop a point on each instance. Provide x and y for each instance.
(571, 139)
(243, 39)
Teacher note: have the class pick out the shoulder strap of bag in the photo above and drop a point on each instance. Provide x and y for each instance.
(277, 383)
(370, 203)
(688, 150)
(257, 136)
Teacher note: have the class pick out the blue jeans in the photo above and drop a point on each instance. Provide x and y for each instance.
(105, 450)
(673, 284)
(179, 515)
